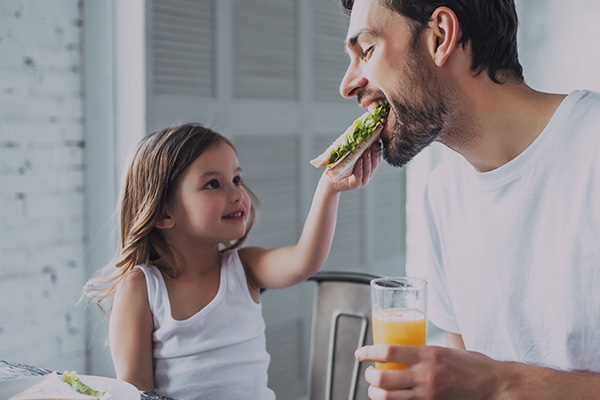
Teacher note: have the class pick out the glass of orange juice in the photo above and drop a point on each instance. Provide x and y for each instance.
(399, 313)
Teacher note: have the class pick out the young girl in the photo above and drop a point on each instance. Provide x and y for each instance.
(186, 319)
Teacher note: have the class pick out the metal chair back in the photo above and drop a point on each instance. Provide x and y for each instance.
(341, 323)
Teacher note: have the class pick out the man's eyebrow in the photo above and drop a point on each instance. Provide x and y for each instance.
(351, 42)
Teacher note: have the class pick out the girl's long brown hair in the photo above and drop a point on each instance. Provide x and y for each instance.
(159, 161)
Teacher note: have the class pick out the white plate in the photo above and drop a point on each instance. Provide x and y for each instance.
(119, 390)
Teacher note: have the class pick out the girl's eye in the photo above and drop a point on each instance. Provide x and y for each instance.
(237, 180)
(213, 184)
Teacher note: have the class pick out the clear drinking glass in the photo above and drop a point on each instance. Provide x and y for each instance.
(399, 313)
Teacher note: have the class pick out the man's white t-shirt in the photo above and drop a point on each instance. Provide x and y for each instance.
(514, 253)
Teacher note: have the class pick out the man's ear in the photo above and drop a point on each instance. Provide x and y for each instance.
(444, 31)
(165, 222)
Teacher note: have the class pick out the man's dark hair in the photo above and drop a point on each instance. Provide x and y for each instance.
(489, 27)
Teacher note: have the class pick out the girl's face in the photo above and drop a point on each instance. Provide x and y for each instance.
(210, 205)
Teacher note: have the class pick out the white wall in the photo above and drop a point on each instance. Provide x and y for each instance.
(113, 81)
(558, 44)
(41, 184)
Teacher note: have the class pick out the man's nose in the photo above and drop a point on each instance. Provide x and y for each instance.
(352, 82)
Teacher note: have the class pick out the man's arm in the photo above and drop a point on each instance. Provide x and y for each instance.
(449, 373)
(455, 341)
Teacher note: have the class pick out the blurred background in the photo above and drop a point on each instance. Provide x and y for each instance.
(82, 81)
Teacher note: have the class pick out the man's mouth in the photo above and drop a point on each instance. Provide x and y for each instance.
(376, 103)
(389, 123)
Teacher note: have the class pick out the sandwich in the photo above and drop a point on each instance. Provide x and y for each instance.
(55, 387)
(342, 154)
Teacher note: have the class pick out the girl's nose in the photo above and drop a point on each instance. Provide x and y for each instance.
(236, 194)
(352, 82)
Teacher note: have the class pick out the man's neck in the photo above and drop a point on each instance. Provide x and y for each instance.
(497, 122)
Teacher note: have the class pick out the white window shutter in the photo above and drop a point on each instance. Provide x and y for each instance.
(265, 49)
(182, 47)
(269, 165)
(388, 216)
(329, 59)
(203, 54)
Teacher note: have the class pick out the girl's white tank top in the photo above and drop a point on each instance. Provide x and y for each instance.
(219, 352)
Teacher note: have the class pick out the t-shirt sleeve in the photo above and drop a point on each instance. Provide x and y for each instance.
(440, 311)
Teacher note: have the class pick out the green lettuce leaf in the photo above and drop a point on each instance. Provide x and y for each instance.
(360, 130)
(72, 379)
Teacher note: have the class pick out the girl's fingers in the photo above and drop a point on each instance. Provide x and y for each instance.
(373, 155)
(368, 166)
(361, 169)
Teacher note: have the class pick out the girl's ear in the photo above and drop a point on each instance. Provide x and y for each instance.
(166, 222)
(443, 35)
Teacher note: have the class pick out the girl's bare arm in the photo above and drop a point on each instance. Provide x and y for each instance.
(130, 332)
(286, 266)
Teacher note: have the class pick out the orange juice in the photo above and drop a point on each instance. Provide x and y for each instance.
(398, 326)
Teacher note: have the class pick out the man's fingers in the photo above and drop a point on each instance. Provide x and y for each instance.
(401, 379)
(388, 353)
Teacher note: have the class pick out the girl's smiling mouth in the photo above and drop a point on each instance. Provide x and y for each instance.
(238, 214)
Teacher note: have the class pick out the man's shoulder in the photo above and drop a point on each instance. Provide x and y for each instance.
(585, 103)
(583, 121)
(588, 95)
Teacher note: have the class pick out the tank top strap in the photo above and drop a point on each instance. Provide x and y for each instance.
(156, 288)
(236, 274)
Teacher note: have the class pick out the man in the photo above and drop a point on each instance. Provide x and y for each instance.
(513, 221)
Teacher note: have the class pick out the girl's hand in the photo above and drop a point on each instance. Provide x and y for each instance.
(363, 170)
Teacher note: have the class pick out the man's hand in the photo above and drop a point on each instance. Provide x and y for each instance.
(433, 373)
(443, 373)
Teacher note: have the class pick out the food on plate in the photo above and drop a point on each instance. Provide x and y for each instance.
(343, 153)
(55, 387)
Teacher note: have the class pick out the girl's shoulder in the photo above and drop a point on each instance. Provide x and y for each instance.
(133, 280)
(141, 279)
(132, 292)
(245, 257)
(235, 260)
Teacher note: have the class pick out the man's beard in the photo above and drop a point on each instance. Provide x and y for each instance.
(418, 122)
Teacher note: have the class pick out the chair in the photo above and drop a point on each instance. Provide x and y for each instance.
(341, 323)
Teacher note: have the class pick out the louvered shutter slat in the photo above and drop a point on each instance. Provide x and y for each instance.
(182, 44)
(329, 59)
(388, 214)
(269, 169)
(265, 49)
